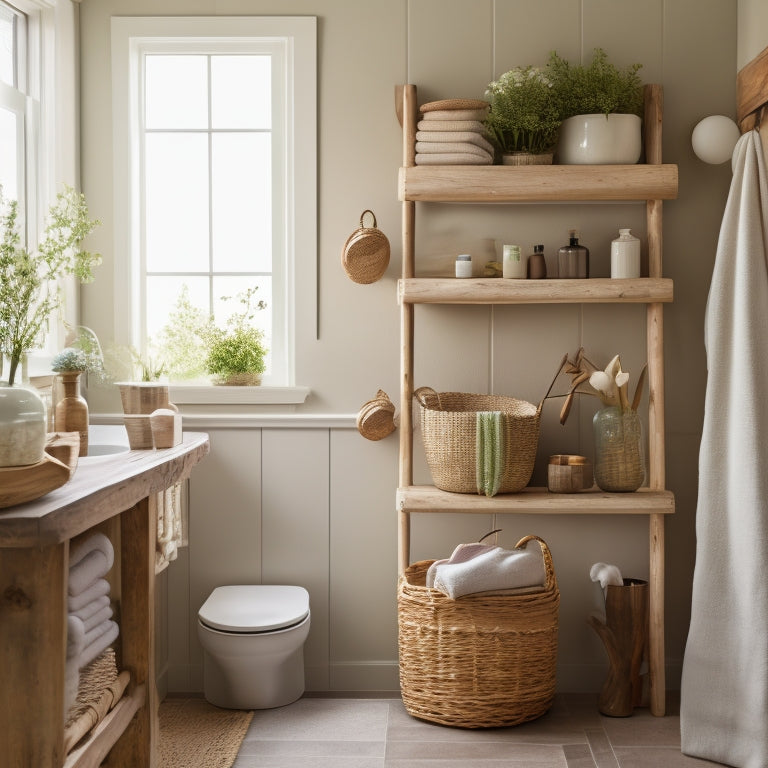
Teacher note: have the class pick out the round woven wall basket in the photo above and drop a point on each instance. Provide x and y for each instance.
(365, 255)
(376, 418)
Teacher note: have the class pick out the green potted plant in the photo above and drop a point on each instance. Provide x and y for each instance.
(524, 116)
(236, 355)
(29, 290)
(601, 108)
(29, 296)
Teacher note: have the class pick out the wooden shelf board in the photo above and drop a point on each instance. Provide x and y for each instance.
(91, 753)
(495, 290)
(539, 183)
(537, 501)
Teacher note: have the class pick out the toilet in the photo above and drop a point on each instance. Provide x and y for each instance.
(253, 642)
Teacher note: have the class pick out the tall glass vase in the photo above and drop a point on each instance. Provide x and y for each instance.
(619, 456)
(71, 413)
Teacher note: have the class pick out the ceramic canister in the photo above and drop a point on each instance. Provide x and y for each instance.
(513, 264)
(625, 255)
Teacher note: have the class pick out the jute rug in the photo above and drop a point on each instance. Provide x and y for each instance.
(195, 734)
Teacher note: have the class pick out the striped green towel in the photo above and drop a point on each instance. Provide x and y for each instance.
(490, 452)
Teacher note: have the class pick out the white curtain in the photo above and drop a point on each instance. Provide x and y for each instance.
(724, 704)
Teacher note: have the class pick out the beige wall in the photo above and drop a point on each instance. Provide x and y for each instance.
(449, 48)
(752, 30)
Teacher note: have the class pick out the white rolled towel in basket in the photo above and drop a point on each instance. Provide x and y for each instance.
(483, 568)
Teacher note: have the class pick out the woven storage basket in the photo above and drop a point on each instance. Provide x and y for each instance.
(480, 661)
(449, 431)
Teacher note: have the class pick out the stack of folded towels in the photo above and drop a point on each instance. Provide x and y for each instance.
(451, 132)
(90, 628)
(480, 567)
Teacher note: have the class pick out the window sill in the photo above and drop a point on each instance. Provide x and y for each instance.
(189, 394)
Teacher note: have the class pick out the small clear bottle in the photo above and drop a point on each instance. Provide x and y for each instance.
(463, 265)
(513, 265)
(625, 255)
(573, 259)
(537, 264)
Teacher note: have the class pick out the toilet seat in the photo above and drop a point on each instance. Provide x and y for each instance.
(254, 608)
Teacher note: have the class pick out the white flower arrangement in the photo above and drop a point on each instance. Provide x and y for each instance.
(524, 114)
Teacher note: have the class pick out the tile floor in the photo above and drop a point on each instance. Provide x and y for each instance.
(378, 733)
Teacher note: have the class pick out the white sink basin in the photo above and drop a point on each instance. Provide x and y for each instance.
(105, 442)
(102, 450)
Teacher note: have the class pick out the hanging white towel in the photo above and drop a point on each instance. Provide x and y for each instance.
(724, 696)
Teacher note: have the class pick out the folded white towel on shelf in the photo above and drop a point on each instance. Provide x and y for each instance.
(453, 137)
(96, 631)
(483, 568)
(436, 147)
(90, 567)
(98, 618)
(89, 609)
(99, 644)
(439, 126)
(75, 637)
(452, 158)
(95, 542)
(76, 603)
(456, 114)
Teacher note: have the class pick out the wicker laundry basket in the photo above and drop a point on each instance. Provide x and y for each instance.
(480, 661)
(448, 423)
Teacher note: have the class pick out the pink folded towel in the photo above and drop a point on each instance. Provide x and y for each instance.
(483, 568)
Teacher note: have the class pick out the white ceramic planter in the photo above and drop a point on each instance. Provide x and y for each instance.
(22, 426)
(600, 140)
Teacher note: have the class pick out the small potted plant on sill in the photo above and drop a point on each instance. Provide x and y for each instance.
(236, 355)
(524, 116)
(601, 109)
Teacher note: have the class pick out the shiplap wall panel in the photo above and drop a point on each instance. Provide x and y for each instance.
(296, 528)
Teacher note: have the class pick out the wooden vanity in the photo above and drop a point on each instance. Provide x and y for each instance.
(113, 495)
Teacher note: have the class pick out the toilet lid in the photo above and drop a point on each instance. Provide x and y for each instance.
(254, 607)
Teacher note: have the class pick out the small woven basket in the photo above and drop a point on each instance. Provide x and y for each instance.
(365, 255)
(376, 419)
(449, 431)
(481, 661)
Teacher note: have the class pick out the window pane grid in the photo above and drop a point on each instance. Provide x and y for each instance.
(234, 198)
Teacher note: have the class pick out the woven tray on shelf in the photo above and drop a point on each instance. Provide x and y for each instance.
(448, 423)
(480, 661)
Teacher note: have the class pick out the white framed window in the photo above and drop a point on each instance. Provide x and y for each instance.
(215, 174)
(22, 164)
(28, 139)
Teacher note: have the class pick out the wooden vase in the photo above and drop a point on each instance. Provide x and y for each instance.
(625, 636)
(71, 413)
